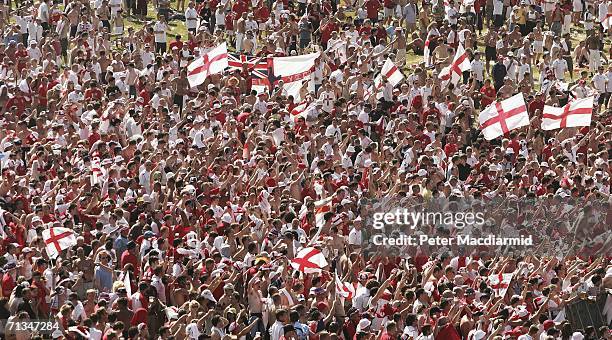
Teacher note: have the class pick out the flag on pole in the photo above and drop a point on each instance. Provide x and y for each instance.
(500, 117)
(293, 71)
(575, 113)
(454, 71)
(309, 260)
(345, 289)
(58, 239)
(500, 283)
(214, 61)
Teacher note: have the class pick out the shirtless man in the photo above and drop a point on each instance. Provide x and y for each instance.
(85, 265)
(255, 300)
(240, 30)
(226, 299)
(400, 46)
(180, 294)
(74, 8)
(441, 55)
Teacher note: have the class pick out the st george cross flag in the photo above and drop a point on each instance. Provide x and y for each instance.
(215, 61)
(500, 117)
(58, 239)
(391, 72)
(454, 71)
(575, 113)
(500, 283)
(344, 289)
(293, 71)
(309, 260)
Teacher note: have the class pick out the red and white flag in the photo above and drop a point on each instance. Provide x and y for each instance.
(427, 52)
(576, 113)
(96, 171)
(345, 289)
(58, 239)
(391, 72)
(454, 71)
(301, 111)
(500, 117)
(214, 61)
(309, 260)
(293, 71)
(128, 284)
(607, 21)
(500, 283)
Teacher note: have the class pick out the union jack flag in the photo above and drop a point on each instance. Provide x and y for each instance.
(258, 66)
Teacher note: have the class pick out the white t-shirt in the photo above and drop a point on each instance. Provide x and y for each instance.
(219, 18)
(478, 70)
(559, 66)
(43, 12)
(160, 27)
(599, 80)
(191, 14)
(498, 7)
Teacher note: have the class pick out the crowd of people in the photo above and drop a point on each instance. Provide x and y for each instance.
(189, 205)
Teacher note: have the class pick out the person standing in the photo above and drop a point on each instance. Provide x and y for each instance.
(43, 15)
(159, 28)
(191, 18)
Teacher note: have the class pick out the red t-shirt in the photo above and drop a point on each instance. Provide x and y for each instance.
(93, 93)
(126, 258)
(489, 92)
(177, 43)
(372, 8)
(42, 94)
(19, 102)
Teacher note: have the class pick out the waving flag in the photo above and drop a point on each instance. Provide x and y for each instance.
(454, 71)
(500, 117)
(309, 260)
(575, 113)
(293, 71)
(58, 239)
(500, 283)
(344, 289)
(301, 111)
(607, 21)
(257, 67)
(215, 61)
(389, 71)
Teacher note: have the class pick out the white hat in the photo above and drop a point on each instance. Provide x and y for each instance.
(207, 294)
(479, 335)
(577, 336)
(544, 164)
(350, 148)
(363, 323)
(422, 173)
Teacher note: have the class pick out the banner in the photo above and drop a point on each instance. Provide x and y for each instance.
(293, 71)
